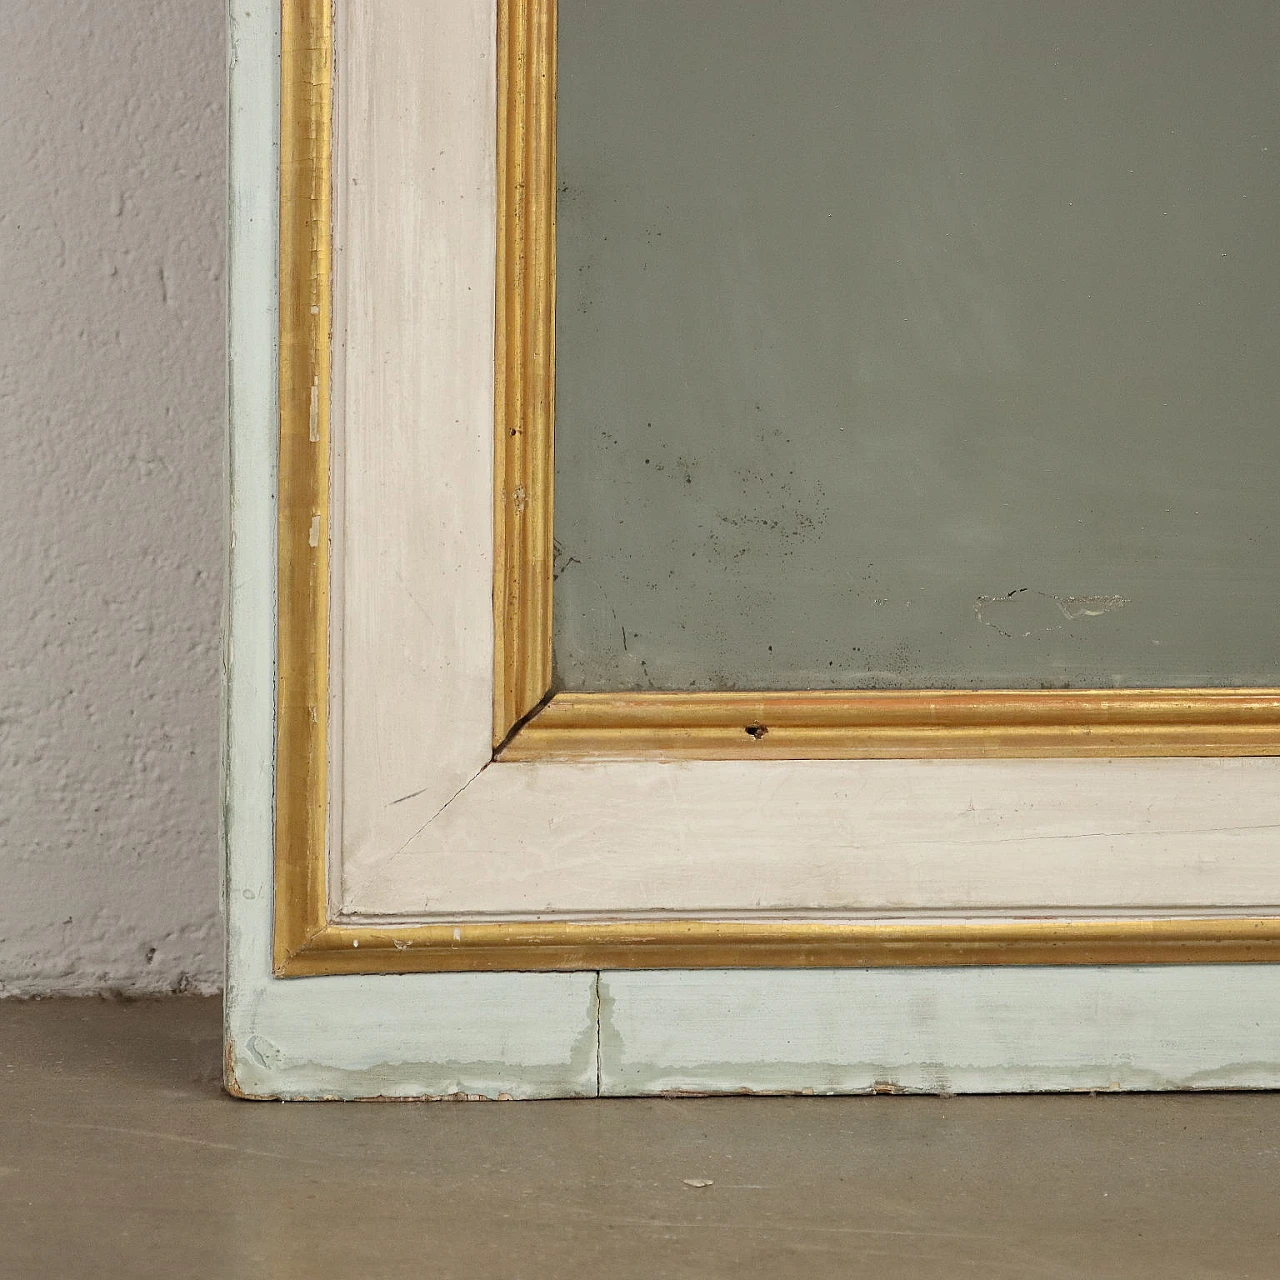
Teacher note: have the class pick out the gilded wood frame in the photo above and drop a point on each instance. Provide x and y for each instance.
(532, 723)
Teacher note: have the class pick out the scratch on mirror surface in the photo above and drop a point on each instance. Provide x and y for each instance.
(1089, 606)
(1072, 609)
(560, 561)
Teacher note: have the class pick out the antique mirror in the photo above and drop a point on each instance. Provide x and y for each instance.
(753, 547)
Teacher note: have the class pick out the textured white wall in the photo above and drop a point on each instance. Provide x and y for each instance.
(112, 148)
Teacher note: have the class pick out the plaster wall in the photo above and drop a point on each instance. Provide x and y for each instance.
(112, 146)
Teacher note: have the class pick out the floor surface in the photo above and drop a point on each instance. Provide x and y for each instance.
(120, 1157)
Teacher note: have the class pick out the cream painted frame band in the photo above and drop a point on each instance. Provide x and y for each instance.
(310, 939)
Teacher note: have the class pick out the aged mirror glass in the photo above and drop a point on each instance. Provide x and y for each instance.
(925, 345)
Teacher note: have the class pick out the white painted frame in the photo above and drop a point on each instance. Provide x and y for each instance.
(439, 833)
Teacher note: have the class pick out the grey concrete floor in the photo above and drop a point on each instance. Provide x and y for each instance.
(120, 1156)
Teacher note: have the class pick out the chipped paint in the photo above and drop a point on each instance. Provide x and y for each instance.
(938, 1032)
(314, 411)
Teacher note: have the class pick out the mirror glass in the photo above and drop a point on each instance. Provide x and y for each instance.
(924, 345)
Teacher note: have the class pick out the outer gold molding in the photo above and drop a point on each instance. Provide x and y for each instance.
(308, 942)
(302, 528)
(780, 944)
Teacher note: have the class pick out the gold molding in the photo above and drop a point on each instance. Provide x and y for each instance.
(920, 724)
(302, 523)
(307, 942)
(530, 724)
(778, 944)
(524, 391)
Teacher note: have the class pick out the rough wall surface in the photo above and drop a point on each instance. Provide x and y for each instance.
(112, 127)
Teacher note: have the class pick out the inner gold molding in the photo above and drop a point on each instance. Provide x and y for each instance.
(524, 359)
(528, 724)
(909, 724)
(532, 721)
